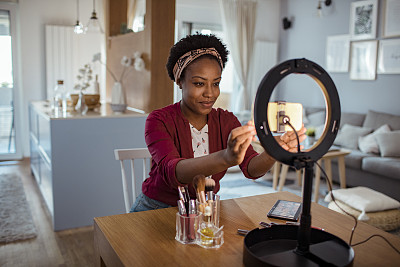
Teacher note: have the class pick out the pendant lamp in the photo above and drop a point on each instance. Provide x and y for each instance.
(78, 27)
(93, 26)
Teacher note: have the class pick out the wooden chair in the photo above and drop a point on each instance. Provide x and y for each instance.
(132, 155)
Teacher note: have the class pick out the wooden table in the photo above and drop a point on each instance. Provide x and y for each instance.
(148, 238)
(279, 173)
(339, 154)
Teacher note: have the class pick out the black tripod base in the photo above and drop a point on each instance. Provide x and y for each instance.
(276, 246)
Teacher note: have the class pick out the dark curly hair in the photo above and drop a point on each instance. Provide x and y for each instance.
(192, 42)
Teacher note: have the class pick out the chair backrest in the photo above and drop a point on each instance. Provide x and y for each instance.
(131, 155)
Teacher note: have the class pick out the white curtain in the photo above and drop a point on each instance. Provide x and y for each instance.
(135, 12)
(239, 19)
(265, 56)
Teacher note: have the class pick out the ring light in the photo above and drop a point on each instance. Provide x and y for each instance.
(267, 85)
(277, 246)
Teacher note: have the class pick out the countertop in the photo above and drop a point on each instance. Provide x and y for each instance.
(103, 111)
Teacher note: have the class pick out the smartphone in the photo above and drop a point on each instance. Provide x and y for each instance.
(279, 110)
(285, 210)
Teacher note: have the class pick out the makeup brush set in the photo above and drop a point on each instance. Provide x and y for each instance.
(197, 221)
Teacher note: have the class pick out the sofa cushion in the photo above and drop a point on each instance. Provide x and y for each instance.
(348, 136)
(363, 199)
(355, 119)
(310, 110)
(355, 158)
(376, 119)
(389, 167)
(389, 144)
(317, 118)
(368, 143)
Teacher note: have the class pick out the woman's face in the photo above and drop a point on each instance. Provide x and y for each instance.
(200, 87)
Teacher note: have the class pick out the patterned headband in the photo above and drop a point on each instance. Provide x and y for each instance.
(187, 58)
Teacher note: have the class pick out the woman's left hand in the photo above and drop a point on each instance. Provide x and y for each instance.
(288, 140)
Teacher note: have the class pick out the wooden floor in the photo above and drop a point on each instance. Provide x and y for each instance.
(64, 248)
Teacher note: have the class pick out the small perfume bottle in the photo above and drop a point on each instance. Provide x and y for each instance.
(96, 86)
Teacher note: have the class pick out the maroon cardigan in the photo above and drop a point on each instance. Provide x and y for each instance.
(169, 140)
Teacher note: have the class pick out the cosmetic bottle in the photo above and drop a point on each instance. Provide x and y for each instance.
(192, 215)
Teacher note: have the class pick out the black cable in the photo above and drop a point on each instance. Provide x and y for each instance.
(286, 120)
(355, 219)
(334, 200)
(387, 241)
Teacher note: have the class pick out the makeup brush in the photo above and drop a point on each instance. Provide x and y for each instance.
(185, 199)
(199, 184)
(210, 184)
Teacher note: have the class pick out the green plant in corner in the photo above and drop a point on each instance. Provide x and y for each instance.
(310, 132)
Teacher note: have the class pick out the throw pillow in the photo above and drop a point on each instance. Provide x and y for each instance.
(376, 119)
(368, 144)
(316, 118)
(348, 136)
(364, 199)
(352, 118)
(319, 130)
(389, 144)
(305, 119)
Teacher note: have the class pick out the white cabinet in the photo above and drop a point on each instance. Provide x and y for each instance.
(72, 159)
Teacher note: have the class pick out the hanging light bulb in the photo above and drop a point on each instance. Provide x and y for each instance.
(319, 9)
(93, 26)
(78, 27)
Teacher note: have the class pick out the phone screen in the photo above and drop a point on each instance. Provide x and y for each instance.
(279, 109)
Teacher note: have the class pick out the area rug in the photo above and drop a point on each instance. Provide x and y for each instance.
(16, 222)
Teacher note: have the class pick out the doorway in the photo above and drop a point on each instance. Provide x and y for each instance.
(9, 139)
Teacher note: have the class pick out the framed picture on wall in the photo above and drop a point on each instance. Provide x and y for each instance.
(391, 24)
(337, 53)
(389, 57)
(363, 19)
(363, 60)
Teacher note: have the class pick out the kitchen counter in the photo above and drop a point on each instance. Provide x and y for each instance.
(102, 111)
(72, 159)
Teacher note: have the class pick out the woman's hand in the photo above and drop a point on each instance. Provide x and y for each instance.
(288, 140)
(238, 141)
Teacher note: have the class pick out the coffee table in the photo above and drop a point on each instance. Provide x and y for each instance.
(327, 158)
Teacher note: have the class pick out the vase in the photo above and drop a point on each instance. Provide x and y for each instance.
(81, 106)
(310, 141)
(118, 102)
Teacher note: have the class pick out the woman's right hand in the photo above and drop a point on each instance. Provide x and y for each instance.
(238, 141)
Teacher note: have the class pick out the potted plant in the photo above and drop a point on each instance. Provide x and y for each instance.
(310, 136)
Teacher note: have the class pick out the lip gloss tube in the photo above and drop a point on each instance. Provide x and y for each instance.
(192, 214)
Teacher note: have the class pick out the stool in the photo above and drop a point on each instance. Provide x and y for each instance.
(386, 220)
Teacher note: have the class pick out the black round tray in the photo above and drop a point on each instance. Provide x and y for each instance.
(275, 246)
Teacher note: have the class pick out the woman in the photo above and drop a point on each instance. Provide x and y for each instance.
(191, 137)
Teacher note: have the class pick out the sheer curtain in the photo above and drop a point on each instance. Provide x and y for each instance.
(239, 19)
(132, 7)
(136, 11)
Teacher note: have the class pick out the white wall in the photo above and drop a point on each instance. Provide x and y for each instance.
(307, 38)
(33, 16)
(208, 12)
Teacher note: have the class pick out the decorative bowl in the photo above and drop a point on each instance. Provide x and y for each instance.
(91, 100)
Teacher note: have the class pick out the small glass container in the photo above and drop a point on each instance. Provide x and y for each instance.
(209, 236)
(186, 227)
(210, 209)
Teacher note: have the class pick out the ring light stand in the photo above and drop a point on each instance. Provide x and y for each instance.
(291, 245)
